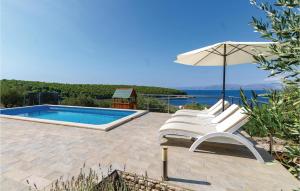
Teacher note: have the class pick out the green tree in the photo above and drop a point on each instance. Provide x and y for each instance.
(95, 91)
(282, 25)
(280, 117)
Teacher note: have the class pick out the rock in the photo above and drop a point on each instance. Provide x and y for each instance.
(157, 186)
(150, 184)
(141, 182)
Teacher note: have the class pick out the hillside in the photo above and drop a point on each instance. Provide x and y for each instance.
(97, 91)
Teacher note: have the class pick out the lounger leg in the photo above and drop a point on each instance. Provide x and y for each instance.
(238, 138)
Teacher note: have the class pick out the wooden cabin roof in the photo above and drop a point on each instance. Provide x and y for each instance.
(123, 93)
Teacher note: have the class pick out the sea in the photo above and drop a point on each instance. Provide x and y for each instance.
(209, 97)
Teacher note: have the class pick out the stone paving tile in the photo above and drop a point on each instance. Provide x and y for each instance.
(44, 152)
(36, 182)
(53, 175)
(10, 184)
(17, 175)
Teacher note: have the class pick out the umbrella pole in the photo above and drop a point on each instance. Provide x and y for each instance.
(224, 77)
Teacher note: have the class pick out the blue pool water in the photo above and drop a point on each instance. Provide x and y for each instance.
(92, 116)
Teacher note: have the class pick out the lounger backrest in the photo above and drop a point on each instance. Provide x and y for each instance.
(219, 108)
(215, 105)
(229, 111)
(233, 122)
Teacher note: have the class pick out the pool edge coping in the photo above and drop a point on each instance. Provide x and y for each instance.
(103, 127)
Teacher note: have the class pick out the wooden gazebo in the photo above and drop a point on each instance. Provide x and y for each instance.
(124, 98)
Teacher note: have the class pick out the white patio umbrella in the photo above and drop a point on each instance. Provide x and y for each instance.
(225, 53)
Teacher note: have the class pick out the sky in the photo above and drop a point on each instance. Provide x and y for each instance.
(122, 41)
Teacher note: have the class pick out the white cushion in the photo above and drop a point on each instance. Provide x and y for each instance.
(218, 108)
(225, 114)
(189, 119)
(200, 129)
(215, 105)
(233, 121)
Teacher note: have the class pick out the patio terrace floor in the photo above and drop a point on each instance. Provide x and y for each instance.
(41, 153)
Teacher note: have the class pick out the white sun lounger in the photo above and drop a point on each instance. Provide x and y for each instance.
(224, 132)
(197, 111)
(204, 119)
(211, 112)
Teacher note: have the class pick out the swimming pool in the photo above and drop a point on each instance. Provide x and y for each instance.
(96, 118)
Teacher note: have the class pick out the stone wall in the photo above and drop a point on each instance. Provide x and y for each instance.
(142, 183)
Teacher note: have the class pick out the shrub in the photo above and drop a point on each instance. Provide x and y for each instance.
(279, 118)
(106, 103)
(91, 181)
(268, 118)
(291, 110)
(290, 159)
(196, 106)
(114, 180)
(154, 104)
(11, 97)
(81, 100)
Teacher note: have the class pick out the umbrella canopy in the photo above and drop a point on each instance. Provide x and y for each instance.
(225, 53)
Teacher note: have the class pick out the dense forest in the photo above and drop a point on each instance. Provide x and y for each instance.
(97, 91)
(13, 93)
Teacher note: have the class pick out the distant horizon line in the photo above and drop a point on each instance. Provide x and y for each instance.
(256, 86)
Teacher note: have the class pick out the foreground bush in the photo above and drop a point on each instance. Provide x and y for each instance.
(279, 118)
(290, 159)
(87, 182)
(114, 181)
